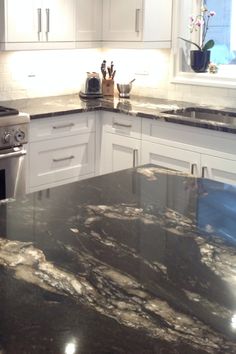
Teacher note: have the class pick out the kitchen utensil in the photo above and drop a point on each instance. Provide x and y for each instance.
(132, 81)
(113, 74)
(103, 69)
(124, 90)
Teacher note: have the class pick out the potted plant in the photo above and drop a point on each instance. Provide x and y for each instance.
(200, 58)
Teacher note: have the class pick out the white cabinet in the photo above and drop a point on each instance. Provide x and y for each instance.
(37, 24)
(61, 150)
(120, 142)
(147, 22)
(171, 157)
(122, 20)
(219, 169)
(88, 20)
(61, 160)
(119, 152)
(200, 152)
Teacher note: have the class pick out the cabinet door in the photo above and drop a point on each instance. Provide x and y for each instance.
(59, 20)
(157, 20)
(61, 159)
(89, 20)
(122, 20)
(171, 157)
(219, 169)
(22, 20)
(118, 153)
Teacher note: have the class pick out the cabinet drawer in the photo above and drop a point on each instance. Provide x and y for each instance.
(171, 157)
(189, 138)
(222, 170)
(61, 126)
(122, 124)
(61, 159)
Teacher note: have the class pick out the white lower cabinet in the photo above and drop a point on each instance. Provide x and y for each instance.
(119, 152)
(191, 150)
(219, 169)
(120, 142)
(71, 147)
(171, 157)
(59, 160)
(61, 150)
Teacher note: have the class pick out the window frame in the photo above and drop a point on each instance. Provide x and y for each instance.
(223, 78)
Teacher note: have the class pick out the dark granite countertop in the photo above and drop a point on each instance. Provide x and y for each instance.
(152, 108)
(141, 261)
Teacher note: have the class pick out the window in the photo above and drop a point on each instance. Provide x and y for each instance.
(222, 28)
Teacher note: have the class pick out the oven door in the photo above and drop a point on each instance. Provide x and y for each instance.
(12, 172)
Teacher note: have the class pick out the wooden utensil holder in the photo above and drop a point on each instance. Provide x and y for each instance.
(108, 87)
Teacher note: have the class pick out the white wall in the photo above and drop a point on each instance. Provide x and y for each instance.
(49, 73)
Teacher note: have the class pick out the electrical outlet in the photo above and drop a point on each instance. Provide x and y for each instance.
(142, 73)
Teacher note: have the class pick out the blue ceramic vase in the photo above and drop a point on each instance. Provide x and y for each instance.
(200, 60)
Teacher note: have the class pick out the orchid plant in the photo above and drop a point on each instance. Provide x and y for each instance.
(200, 23)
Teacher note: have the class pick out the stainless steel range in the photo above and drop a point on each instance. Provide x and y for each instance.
(13, 137)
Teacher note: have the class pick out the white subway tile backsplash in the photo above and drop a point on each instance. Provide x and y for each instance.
(48, 73)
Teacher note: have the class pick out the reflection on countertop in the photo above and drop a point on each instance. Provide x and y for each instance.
(130, 262)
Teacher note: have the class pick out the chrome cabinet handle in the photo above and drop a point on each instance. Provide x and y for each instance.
(204, 168)
(137, 20)
(63, 126)
(39, 22)
(122, 125)
(47, 21)
(192, 168)
(15, 153)
(135, 157)
(63, 158)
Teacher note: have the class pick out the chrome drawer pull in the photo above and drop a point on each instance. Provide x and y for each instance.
(48, 20)
(204, 168)
(193, 166)
(63, 126)
(137, 20)
(39, 20)
(135, 157)
(122, 125)
(63, 158)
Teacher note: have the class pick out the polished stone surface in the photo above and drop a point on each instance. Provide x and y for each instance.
(141, 261)
(152, 108)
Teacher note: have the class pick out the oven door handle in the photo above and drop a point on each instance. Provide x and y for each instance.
(15, 153)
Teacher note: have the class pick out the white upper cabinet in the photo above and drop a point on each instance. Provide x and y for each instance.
(88, 20)
(157, 21)
(146, 24)
(37, 24)
(64, 24)
(122, 20)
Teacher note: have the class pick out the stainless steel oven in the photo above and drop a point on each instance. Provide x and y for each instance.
(12, 172)
(13, 137)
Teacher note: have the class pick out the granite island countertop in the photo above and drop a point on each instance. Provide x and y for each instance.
(146, 107)
(141, 261)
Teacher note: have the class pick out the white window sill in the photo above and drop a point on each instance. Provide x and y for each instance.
(206, 79)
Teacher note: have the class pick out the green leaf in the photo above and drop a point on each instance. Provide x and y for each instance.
(196, 45)
(210, 44)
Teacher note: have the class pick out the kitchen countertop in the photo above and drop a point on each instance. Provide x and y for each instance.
(141, 261)
(146, 107)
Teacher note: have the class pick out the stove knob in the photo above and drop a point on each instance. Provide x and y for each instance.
(6, 138)
(19, 135)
